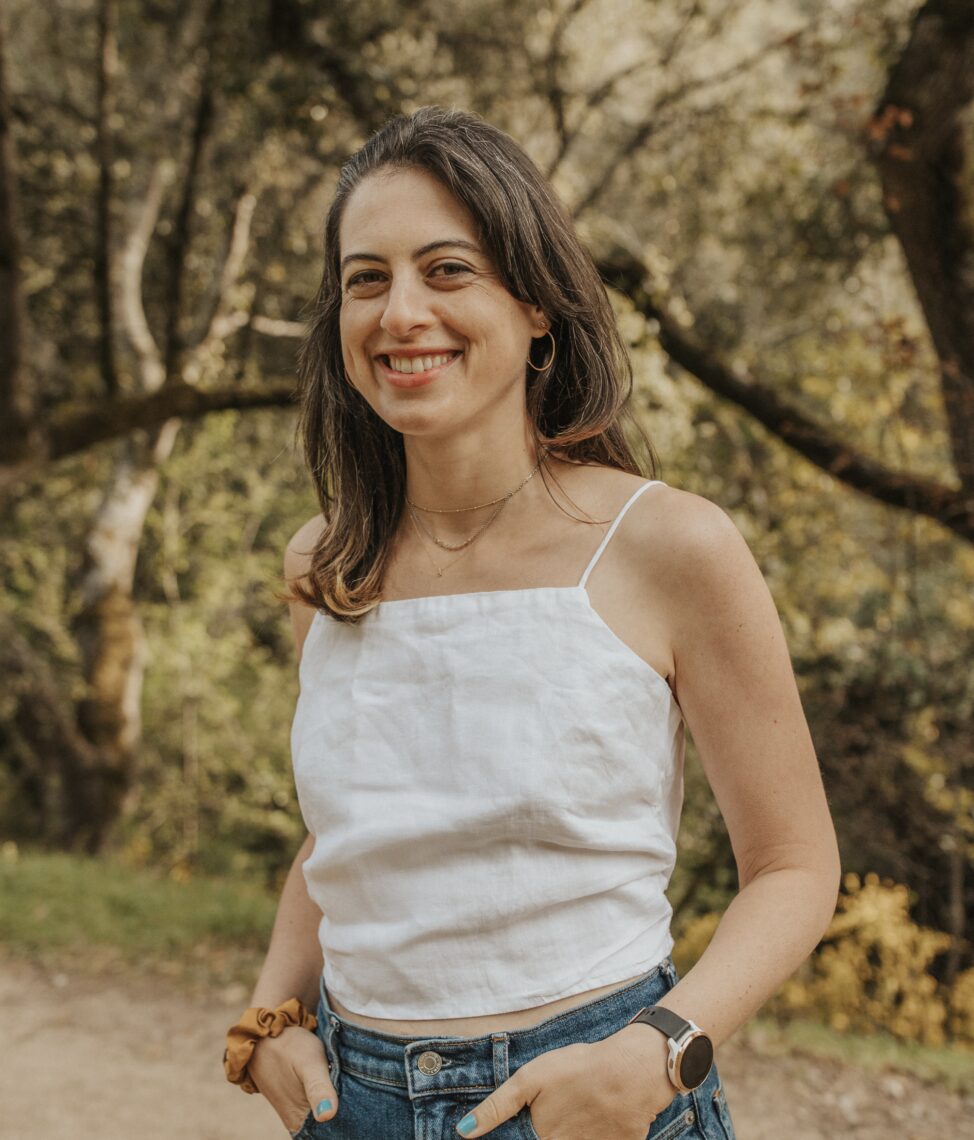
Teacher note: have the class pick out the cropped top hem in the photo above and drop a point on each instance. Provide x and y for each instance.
(486, 1006)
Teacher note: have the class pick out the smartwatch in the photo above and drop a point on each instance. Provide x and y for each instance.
(691, 1052)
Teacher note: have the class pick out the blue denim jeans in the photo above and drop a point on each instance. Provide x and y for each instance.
(392, 1087)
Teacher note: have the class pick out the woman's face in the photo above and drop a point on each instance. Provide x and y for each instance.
(430, 336)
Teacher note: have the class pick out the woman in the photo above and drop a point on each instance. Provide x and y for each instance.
(502, 630)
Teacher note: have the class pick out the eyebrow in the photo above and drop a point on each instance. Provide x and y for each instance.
(456, 243)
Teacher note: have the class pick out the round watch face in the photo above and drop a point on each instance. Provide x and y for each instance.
(696, 1061)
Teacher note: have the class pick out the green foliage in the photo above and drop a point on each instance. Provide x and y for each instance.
(50, 900)
(215, 791)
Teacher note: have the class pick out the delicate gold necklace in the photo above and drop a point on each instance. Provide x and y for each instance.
(480, 506)
(501, 503)
(439, 570)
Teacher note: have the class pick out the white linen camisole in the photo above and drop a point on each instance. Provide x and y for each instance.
(494, 783)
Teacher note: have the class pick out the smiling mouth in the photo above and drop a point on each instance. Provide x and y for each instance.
(410, 365)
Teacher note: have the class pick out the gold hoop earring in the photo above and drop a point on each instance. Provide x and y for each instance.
(551, 359)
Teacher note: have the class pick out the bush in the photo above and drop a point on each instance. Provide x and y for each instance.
(869, 973)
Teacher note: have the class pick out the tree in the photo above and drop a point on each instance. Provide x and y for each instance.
(769, 186)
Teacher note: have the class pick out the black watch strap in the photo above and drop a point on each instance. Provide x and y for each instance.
(665, 1020)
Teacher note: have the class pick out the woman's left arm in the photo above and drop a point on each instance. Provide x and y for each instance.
(740, 700)
(737, 690)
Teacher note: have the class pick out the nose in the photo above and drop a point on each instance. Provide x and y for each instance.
(407, 307)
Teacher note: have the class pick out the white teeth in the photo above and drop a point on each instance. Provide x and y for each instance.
(418, 363)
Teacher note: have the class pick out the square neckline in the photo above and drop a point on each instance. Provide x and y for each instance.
(478, 594)
(375, 618)
(579, 585)
(419, 602)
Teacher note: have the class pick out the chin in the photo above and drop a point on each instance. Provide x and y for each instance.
(417, 421)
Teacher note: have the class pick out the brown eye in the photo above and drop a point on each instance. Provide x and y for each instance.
(451, 269)
(362, 278)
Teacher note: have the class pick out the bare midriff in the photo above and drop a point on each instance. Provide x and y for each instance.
(475, 1026)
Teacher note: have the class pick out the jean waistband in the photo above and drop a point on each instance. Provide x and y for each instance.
(445, 1063)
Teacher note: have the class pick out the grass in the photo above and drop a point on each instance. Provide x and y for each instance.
(61, 909)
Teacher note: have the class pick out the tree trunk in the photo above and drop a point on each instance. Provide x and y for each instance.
(923, 156)
(110, 636)
(16, 403)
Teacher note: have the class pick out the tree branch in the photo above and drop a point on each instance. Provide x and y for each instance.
(271, 327)
(952, 508)
(225, 318)
(151, 371)
(179, 246)
(653, 120)
(75, 427)
(598, 95)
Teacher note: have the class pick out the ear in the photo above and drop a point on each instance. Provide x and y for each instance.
(539, 320)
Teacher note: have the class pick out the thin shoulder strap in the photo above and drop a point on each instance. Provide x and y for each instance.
(615, 522)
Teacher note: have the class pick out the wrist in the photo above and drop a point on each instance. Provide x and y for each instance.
(255, 1024)
(690, 1050)
(271, 994)
(649, 1051)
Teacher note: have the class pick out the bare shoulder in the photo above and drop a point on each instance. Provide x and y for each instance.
(297, 563)
(670, 539)
(686, 530)
(297, 555)
(724, 626)
(695, 563)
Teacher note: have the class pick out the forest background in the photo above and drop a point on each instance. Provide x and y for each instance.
(779, 194)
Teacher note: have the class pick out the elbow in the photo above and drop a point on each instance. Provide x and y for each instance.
(815, 873)
(828, 878)
(835, 886)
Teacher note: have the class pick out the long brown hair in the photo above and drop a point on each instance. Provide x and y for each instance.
(577, 407)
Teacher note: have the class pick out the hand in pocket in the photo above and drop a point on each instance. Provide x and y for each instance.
(291, 1071)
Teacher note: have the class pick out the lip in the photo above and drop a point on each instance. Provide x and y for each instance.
(432, 351)
(416, 379)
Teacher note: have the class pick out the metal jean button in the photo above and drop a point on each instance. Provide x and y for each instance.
(429, 1063)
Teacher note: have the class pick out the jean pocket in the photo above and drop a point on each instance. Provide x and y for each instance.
(685, 1124)
(723, 1113)
(303, 1132)
(523, 1119)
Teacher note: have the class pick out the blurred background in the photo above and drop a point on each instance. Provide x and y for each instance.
(780, 194)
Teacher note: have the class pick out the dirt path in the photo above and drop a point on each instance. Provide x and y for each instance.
(117, 1058)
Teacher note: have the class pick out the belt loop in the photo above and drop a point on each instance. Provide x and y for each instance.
(501, 1060)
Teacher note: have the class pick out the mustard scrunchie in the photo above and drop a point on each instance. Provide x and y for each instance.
(258, 1022)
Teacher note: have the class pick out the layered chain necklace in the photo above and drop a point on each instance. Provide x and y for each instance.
(499, 503)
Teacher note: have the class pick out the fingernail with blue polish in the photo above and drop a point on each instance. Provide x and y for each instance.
(468, 1124)
(323, 1106)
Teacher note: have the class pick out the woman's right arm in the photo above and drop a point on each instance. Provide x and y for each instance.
(291, 1070)
(294, 962)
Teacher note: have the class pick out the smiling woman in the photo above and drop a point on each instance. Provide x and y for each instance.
(429, 308)
(488, 752)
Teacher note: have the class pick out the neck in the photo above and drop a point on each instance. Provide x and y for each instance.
(467, 473)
